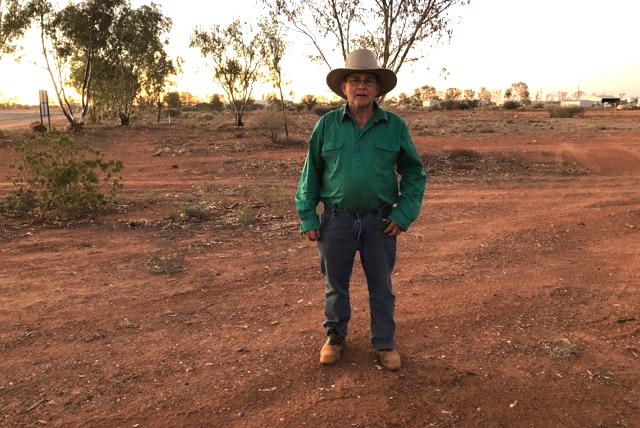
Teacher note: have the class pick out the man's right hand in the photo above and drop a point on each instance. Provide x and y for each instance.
(312, 235)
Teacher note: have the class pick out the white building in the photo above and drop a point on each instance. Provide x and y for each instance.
(579, 103)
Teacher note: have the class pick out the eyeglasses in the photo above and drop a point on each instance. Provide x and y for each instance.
(368, 81)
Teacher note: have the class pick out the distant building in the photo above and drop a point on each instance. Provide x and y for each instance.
(579, 103)
(610, 101)
(593, 101)
(431, 103)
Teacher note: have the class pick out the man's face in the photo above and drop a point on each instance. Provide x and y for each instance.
(361, 89)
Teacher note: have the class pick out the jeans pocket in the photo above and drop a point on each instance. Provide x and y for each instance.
(326, 217)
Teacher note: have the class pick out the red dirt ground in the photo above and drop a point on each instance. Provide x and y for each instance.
(198, 304)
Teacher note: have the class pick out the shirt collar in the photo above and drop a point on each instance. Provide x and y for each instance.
(378, 113)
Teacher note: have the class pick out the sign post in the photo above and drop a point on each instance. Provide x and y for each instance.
(44, 108)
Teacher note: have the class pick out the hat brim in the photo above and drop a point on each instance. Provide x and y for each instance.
(387, 78)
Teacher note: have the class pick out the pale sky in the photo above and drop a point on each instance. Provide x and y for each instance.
(551, 45)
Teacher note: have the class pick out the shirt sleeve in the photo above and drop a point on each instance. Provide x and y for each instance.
(413, 180)
(308, 194)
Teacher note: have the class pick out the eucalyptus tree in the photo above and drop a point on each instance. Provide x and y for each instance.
(484, 95)
(453, 94)
(427, 92)
(14, 21)
(237, 56)
(159, 79)
(518, 92)
(105, 52)
(275, 49)
(134, 62)
(396, 30)
(469, 94)
(75, 39)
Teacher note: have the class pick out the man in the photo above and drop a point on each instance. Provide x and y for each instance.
(356, 156)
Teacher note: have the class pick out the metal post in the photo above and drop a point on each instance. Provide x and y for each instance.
(44, 108)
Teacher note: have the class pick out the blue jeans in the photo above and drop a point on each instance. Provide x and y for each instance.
(342, 235)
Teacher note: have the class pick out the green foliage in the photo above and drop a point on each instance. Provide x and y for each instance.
(217, 102)
(110, 53)
(518, 92)
(236, 57)
(511, 105)
(269, 125)
(205, 107)
(458, 104)
(450, 105)
(195, 212)
(321, 110)
(14, 20)
(172, 99)
(398, 30)
(309, 101)
(61, 178)
(565, 112)
(166, 263)
(173, 112)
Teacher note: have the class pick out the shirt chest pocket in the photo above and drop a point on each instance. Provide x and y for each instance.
(387, 150)
(331, 150)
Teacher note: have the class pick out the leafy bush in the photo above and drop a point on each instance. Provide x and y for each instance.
(565, 112)
(172, 112)
(321, 110)
(511, 105)
(450, 105)
(172, 99)
(166, 263)
(61, 178)
(195, 212)
(269, 124)
(458, 104)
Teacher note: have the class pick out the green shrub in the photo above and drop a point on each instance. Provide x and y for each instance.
(62, 178)
(173, 112)
(458, 104)
(203, 107)
(511, 105)
(269, 124)
(321, 110)
(450, 105)
(166, 263)
(565, 112)
(196, 213)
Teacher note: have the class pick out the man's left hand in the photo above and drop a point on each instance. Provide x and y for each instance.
(393, 229)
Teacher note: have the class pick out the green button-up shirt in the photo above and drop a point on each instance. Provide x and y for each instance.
(353, 169)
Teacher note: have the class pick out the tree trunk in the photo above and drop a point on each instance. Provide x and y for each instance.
(239, 121)
(284, 115)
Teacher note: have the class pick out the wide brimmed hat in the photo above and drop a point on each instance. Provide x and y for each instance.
(361, 61)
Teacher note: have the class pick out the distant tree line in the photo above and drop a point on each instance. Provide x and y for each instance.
(113, 55)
